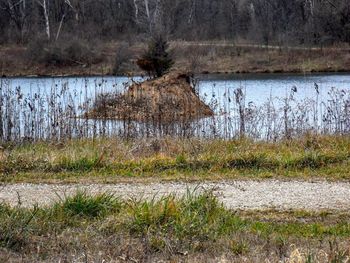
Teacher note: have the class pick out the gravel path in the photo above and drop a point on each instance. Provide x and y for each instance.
(234, 194)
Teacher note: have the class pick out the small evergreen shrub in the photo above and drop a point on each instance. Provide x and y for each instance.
(156, 61)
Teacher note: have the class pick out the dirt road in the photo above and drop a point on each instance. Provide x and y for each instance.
(255, 46)
(246, 195)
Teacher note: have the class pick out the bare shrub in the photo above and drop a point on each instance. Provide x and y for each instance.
(57, 115)
(123, 55)
(195, 60)
(35, 50)
(62, 53)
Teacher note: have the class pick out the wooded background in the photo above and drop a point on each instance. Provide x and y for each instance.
(298, 22)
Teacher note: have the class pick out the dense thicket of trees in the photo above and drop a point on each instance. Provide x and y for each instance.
(261, 21)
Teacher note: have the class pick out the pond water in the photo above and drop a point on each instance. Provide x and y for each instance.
(258, 88)
(272, 103)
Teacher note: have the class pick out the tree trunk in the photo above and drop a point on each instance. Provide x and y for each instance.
(1, 120)
(47, 22)
(43, 4)
(192, 12)
(60, 27)
(148, 14)
(136, 11)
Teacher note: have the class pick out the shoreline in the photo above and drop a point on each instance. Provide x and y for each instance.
(198, 57)
(205, 73)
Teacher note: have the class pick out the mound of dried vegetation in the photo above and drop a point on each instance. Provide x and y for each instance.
(170, 98)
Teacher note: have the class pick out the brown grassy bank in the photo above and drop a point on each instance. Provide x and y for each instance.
(218, 57)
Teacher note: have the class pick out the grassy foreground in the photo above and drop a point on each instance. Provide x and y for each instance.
(115, 160)
(194, 228)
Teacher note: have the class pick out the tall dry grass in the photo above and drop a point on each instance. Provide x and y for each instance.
(59, 115)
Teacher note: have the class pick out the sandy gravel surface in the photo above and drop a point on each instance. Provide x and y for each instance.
(267, 194)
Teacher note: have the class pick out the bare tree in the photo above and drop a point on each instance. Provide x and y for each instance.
(136, 7)
(259, 21)
(69, 5)
(17, 11)
(44, 5)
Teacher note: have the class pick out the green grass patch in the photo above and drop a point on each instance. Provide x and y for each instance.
(192, 224)
(318, 156)
(83, 205)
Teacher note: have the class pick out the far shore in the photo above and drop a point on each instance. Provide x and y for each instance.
(208, 58)
(138, 74)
